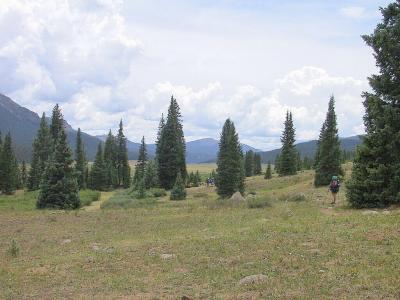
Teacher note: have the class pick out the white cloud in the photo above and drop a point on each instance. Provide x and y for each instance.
(104, 61)
(356, 12)
(258, 116)
(56, 48)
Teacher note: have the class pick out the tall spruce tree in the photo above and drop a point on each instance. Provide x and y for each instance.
(288, 155)
(98, 172)
(123, 168)
(42, 148)
(328, 149)
(268, 172)
(230, 164)
(35, 175)
(18, 175)
(24, 175)
(375, 179)
(80, 161)
(159, 139)
(142, 159)
(111, 160)
(277, 163)
(8, 167)
(57, 123)
(257, 164)
(171, 148)
(59, 188)
(299, 162)
(249, 163)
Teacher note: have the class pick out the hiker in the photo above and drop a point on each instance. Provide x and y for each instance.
(334, 187)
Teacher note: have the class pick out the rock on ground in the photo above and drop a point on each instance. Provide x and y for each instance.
(237, 197)
(370, 212)
(166, 256)
(252, 279)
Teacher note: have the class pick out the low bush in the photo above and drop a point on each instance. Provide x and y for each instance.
(157, 192)
(88, 196)
(297, 197)
(258, 202)
(126, 200)
(13, 249)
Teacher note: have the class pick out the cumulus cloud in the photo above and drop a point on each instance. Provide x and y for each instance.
(259, 117)
(89, 57)
(356, 12)
(54, 49)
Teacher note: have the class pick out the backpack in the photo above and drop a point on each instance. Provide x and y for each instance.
(334, 186)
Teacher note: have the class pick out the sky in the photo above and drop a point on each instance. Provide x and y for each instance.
(248, 60)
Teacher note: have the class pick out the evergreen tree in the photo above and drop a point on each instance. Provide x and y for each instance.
(80, 161)
(318, 150)
(328, 150)
(18, 175)
(230, 165)
(8, 167)
(171, 148)
(42, 149)
(150, 176)
(123, 168)
(299, 162)
(375, 179)
(307, 163)
(257, 164)
(178, 192)
(268, 172)
(197, 179)
(87, 176)
(142, 159)
(24, 175)
(141, 188)
(277, 163)
(190, 179)
(110, 160)
(57, 123)
(35, 175)
(288, 156)
(159, 140)
(98, 172)
(59, 188)
(249, 163)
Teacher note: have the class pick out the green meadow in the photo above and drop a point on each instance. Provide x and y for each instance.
(201, 247)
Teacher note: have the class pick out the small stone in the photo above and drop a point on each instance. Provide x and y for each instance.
(67, 241)
(253, 279)
(370, 212)
(167, 256)
(95, 247)
(109, 250)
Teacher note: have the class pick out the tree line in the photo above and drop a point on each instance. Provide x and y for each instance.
(374, 182)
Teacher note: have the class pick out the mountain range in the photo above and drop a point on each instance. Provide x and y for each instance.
(23, 125)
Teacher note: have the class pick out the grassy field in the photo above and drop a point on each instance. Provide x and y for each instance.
(202, 247)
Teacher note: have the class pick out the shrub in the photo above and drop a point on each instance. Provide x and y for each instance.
(258, 202)
(298, 197)
(141, 189)
(88, 196)
(178, 191)
(124, 200)
(156, 192)
(13, 249)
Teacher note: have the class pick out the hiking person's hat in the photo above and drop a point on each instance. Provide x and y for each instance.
(334, 178)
